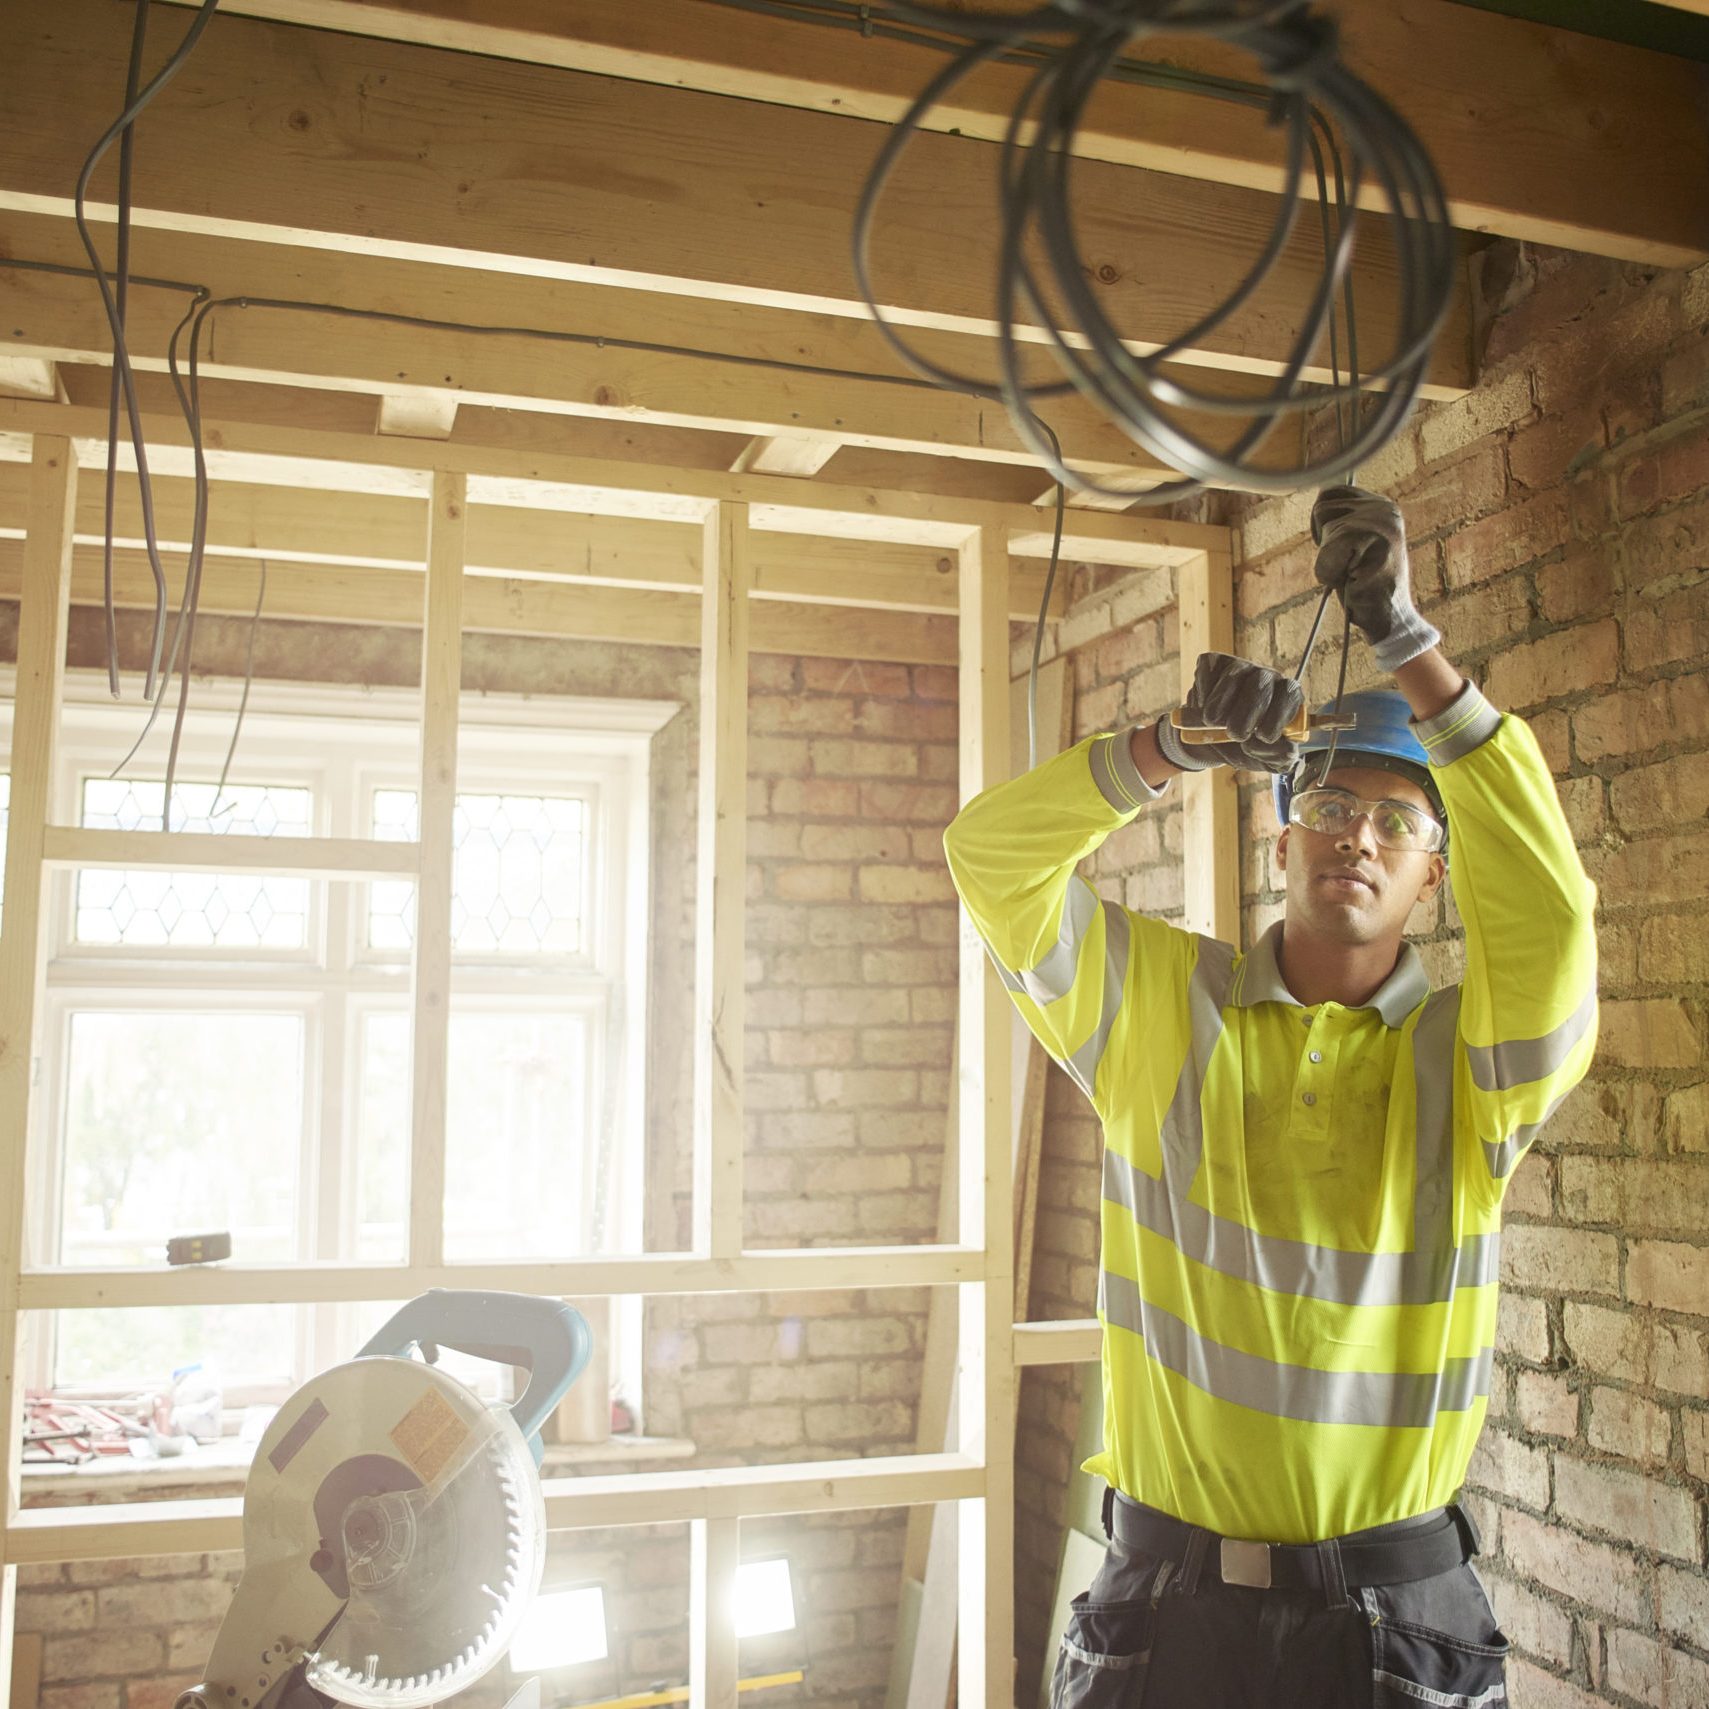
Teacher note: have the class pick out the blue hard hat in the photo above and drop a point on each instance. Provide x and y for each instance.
(1382, 737)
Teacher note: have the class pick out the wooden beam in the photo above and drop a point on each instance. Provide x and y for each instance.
(25, 375)
(118, 1531)
(986, 1382)
(39, 688)
(786, 454)
(340, 594)
(777, 1270)
(582, 486)
(813, 381)
(436, 803)
(1210, 803)
(417, 415)
(1539, 133)
(347, 530)
(202, 851)
(1076, 1342)
(714, 1552)
(721, 887)
(530, 169)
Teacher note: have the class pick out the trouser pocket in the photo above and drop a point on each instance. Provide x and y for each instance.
(1436, 1642)
(1104, 1655)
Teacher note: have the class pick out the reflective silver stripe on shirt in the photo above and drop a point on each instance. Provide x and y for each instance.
(1297, 1267)
(1499, 1067)
(1403, 1399)
(1082, 1066)
(1503, 1154)
(1183, 1132)
(1052, 976)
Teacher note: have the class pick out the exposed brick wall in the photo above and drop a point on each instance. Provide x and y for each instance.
(1560, 526)
(851, 971)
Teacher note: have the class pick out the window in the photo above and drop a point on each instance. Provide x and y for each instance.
(230, 1051)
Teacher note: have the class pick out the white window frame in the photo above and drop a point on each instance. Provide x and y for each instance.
(300, 735)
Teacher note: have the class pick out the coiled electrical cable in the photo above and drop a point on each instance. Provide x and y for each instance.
(1311, 97)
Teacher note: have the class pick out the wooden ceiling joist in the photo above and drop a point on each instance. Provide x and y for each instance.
(348, 143)
(1539, 133)
(778, 504)
(350, 531)
(862, 398)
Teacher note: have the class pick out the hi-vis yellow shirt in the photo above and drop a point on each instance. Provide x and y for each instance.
(1301, 1206)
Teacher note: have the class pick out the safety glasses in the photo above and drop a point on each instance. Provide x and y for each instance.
(1395, 824)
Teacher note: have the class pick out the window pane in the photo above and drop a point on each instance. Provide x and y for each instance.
(517, 875)
(519, 1180)
(139, 1348)
(181, 1122)
(194, 909)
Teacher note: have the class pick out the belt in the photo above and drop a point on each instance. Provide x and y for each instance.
(1420, 1547)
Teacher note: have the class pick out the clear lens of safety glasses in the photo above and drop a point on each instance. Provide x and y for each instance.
(1395, 824)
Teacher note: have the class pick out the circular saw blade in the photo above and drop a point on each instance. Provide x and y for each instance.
(440, 1575)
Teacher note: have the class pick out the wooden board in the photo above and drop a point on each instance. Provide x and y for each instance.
(1599, 144)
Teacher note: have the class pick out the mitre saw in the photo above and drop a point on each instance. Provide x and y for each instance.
(394, 1530)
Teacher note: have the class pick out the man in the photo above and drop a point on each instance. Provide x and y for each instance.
(1305, 1156)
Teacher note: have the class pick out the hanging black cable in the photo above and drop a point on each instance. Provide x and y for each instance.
(1312, 99)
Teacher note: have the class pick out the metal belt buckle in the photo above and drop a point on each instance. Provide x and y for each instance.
(1246, 1563)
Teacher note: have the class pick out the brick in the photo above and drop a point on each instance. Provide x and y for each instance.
(857, 1338)
(1556, 448)
(1531, 1622)
(122, 1571)
(907, 967)
(1638, 720)
(1681, 1359)
(171, 1602)
(906, 884)
(1546, 1403)
(1522, 1326)
(802, 714)
(1627, 1505)
(1686, 1113)
(1449, 427)
(1560, 1260)
(1525, 531)
(933, 802)
(1611, 1343)
(804, 1381)
(855, 676)
(933, 682)
(1664, 794)
(1452, 495)
(158, 1693)
(860, 1422)
(1669, 1275)
(55, 1610)
(747, 1427)
(1581, 584)
(1533, 1688)
(811, 1047)
(1638, 1196)
(101, 1655)
(1276, 523)
(1576, 1567)
(79, 1697)
(1694, 1428)
(858, 843)
(1629, 1426)
(864, 1006)
(1485, 617)
(1565, 662)
(1648, 1032)
(1668, 470)
(830, 758)
(1656, 1673)
(1683, 1604)
(747, 1343)
(907, 721)
(901, 1047)
(1655, 872)
(813, 883)
(820, 798)
(1506, 1467)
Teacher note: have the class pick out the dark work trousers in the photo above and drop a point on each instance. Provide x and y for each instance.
(1142, 1638)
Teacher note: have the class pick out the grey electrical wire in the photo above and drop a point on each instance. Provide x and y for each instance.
(1296, 51)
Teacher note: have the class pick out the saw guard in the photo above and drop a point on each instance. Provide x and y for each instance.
(394, 1535)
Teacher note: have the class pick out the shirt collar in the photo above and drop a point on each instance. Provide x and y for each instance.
(1259, 980)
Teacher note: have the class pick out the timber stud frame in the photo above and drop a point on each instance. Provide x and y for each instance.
(723, 516)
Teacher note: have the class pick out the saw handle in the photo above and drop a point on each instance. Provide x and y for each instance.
(1299, 727)
(548, 1337)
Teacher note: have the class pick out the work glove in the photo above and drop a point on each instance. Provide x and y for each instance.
(1361, 553)
(1254, 704)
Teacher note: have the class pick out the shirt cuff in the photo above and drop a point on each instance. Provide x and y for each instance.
(1466, 722)
(1117, 777)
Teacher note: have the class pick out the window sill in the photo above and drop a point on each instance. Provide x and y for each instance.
(219, 1468)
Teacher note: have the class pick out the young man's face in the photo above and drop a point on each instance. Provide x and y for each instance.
(1349, 888)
